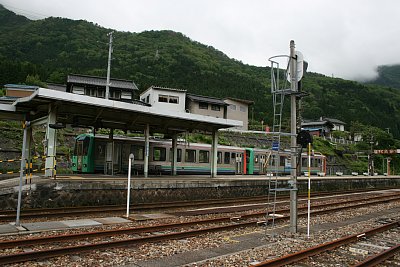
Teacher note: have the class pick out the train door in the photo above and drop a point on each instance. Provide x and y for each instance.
(79, 155)
(109, 158)
(249, 161)
(117, 167)
(82, 160)
(239, 162)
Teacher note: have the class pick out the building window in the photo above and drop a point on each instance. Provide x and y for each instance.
(115, 94)
(203, 105)
(232, 106)
(204, 156)
(173, 99)
(159, 153)
(215, 107)
(101, 93)
(190, 155)
(168, 99)
(126, 95)
(148, 99)
(242, 109)
(78, 90)
(163, 98)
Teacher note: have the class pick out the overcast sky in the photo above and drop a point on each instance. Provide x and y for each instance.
(340, 38)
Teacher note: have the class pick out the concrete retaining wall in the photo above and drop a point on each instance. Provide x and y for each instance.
(66, 194)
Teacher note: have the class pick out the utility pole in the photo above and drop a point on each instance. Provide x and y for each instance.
(109, 65)
(293, 141)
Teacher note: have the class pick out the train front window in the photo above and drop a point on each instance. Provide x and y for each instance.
(204, 156)
(190, 155)
(78, 148)
(159, 154)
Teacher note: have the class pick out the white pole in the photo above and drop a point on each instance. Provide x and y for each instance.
(131, 158)
(293, 141)
(309, 190)
(109, 65)
(25, 125)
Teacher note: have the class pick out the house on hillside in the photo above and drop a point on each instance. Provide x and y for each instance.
(238, 109)
(179, 100)
(120, 90)
(170, 99)
(323, 126)
(205, 105)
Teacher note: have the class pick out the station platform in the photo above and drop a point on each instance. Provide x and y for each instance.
(24, 228)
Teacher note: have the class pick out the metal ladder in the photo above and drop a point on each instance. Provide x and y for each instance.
(278, 94)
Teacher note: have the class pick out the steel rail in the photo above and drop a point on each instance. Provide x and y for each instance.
(300, 255)
(134, 230)
(13, 258)
(379, 258)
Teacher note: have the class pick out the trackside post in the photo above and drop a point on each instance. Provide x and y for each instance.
(131, 158)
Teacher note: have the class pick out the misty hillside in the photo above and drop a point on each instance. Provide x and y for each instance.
(52, 48)
(388, 75)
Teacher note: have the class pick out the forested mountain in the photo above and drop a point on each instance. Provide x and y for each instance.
(388, 75)
(54, 47)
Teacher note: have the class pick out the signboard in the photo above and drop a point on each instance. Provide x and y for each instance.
(275, 146)
(387, 151)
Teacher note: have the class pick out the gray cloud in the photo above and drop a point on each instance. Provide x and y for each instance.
(342, 38)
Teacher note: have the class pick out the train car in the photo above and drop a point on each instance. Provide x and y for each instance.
(97, 154)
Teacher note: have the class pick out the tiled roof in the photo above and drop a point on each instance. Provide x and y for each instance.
(101, 81)
(206, 99)
(248, 102)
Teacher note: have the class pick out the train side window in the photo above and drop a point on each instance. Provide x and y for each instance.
(227, 157)
(179, 156)
(138, 152)
(204, 156)
(304, 162)
(190, 155)
(282, 160)
(159, 153)
(256, 159)
(219, 157)
(272, 161)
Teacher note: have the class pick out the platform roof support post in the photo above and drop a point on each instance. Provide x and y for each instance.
(146, 150)
(174, 154)
(51, 137)
(21, 171)
(214, 153)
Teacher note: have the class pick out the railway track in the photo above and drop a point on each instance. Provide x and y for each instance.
(9, 215)
(363, 239)
(176, 232)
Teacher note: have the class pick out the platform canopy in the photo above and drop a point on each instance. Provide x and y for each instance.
(87, 111)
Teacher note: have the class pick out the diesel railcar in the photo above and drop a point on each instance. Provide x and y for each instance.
(97, 154)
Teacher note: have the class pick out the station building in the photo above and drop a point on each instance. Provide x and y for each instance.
(83, 104)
